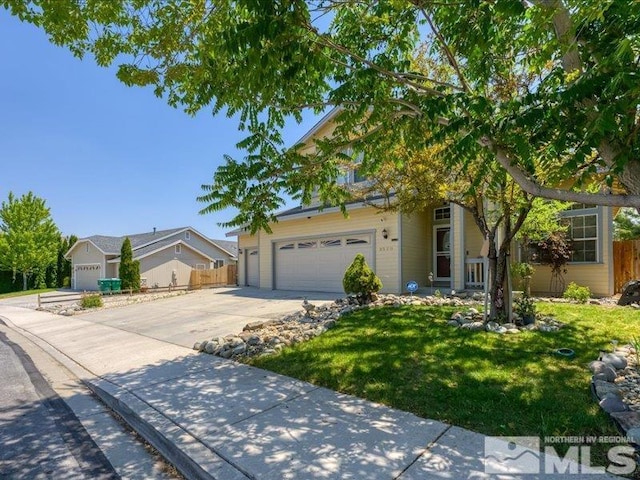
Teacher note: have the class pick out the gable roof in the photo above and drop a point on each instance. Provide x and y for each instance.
(229, 246)
(113, 245)
(145, 243)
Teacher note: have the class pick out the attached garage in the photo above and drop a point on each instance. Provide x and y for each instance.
(86, 276)
(253, 268)
(318, 264)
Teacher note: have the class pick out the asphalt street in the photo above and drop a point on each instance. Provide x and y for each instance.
(40, 435)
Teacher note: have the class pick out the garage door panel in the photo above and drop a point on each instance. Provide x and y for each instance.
(318, 264)
(253, 268)
(86, 277)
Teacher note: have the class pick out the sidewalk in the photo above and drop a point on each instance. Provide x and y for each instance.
(214, 418)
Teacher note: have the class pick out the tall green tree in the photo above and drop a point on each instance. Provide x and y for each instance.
(571, 115)
(626, 225)
(129, 268)
(29, 239)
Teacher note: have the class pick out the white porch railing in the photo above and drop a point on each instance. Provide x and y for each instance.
(474, 276)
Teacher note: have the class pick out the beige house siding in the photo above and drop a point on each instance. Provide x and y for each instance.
(159, 267)
(197, 242)
(416, 243)
(360, 220)
(597, 276)
(85, 253)
(244, 242)
(473, 238)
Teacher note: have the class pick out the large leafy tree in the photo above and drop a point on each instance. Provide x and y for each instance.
(29, 238)
(573, 119)
(626, 225)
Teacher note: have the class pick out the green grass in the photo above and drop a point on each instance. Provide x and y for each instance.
(26, 292)
(410, 359)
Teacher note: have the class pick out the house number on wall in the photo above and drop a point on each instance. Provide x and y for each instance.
(385, 249)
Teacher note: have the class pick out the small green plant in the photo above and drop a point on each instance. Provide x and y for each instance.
(66, 282)
(360, 280)
(91, 301)
(635, 343)
(523, 272)
(437, 294)
(526, 309)
(577, 293)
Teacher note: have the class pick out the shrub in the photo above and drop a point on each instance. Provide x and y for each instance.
(359, 279)
(576, 292)
(66, 282)
(129, 269)
(91, 301)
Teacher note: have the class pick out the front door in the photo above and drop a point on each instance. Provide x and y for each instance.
(442, 252)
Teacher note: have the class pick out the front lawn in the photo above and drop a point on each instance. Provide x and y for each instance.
(410, 359)
(26, 292)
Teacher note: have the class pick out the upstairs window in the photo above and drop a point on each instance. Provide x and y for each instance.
(442, 213)
(178, 249)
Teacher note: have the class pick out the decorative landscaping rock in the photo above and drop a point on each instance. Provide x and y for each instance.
(597, 366)
(619, 397)
(607, 374)
(617, 362)
(613, 403)
(474, 326)
(603, 388)
(268, 336)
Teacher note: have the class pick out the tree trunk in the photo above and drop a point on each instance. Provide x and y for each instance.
(24, 281)
(498, 264)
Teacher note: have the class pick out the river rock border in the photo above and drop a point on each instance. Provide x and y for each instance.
(472, 319)
(615, 385)
(269, 336)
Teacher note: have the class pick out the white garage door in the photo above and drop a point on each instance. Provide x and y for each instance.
(318, 264)
(86, 276)
(253, 268)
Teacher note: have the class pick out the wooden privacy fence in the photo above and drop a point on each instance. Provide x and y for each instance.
(226, 275)
(626, 262)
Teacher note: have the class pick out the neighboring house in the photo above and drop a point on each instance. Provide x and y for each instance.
(166, 257)
(310, 248)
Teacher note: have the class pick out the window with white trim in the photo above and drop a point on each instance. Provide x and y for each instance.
(442, 213)
(583, 233)
(218, 262)
(287, 246)
(178, 249)
(201, 266)
(187, 235)
(309, 244)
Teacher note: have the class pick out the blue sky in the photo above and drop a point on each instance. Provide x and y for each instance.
(108, 159)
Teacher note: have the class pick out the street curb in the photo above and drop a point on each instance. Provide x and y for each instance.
(186, 453)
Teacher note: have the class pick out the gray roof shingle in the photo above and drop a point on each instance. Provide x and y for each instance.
(113, 245)
(228, 245)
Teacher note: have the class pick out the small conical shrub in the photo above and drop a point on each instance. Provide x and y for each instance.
(360, 280)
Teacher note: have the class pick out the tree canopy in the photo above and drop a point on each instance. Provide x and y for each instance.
(29, 239)
(626, 225)
(549, 88)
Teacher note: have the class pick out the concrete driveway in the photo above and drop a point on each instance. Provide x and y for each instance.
(204, 314)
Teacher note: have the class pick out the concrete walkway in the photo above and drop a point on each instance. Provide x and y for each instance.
(215, 418)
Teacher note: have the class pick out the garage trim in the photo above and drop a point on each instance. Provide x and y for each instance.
(319, 237)
(75, 272)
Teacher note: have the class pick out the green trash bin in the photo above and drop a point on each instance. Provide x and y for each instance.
(116, 284)
(104, 284)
